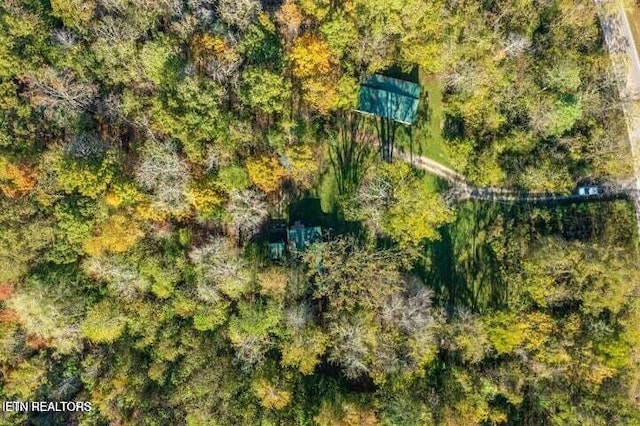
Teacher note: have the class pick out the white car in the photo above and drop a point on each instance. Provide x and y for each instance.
(588, 190)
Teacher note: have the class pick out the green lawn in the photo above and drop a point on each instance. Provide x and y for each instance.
(434, 183)
(427, 129)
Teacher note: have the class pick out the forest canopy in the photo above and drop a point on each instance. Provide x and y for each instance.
(158, 158)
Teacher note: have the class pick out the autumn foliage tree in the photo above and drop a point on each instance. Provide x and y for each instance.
(116, 234)
(15, 179)
(266, 173)
(315, 66)
(155, 157)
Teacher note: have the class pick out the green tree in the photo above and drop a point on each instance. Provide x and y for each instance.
(264, 90)
(191, 114)
(103, 324)
(336, 268)
(251, 332)
(396, 202)
(24, 235)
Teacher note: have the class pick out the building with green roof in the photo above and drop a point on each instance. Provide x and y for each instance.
(389, 97)
(301, 237)
(277, 250)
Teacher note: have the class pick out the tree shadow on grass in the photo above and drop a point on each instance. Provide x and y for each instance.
(453, 127)
(465, 266)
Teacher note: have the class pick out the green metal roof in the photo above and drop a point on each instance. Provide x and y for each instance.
(300, 237)
(389, 97)
(276, 250)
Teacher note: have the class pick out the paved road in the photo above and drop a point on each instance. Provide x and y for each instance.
(626, 66)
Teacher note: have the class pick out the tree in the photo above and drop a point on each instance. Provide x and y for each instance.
(103, 324)
(206, 198)
(49, 306)
(344, 282)
(559, 272)
(416, 214)
(89, 175)
(74, 221)
(353, 345)
(320, 94)
(559, 117)
(564, 77)
(340, 33)
(233, 178)
(408, 336)
(60, 94)
(122, 275)
(17, 130)
(191, 115)
(304, 349)
(316, 8)
(157, 60)
(413, 29)
(314, 64)
(247, 212)
(75, 13)
(117, 234)
(16, 179)
(23, 37)
(302, 165)
(273, 282)
(25, 378)
(219, 272)
(264, 90)
(215, 57)
(270, 396)
(163, 173)
(289, 18)
(251, 332)
(396, 202)
(345, 413)
(24, 235)
(239, 13)
(266, 173)
(261, 45)
(469, 336)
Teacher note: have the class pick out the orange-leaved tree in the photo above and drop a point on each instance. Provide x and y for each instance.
(16, 179)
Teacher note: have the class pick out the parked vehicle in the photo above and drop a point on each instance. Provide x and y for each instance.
(588, 190)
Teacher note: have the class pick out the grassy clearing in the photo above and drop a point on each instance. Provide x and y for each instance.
(427, 130)
(434, 183)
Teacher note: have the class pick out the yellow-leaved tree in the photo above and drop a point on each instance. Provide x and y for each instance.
(303, 165)
(103, 323)
(311, 57)
(316, 67)
(273, 282)
(304, 349)
(271, 397)
(266, 173)
(289, 18)
(116, 235)
(73, 13)
(205, 198)
(206, 48)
